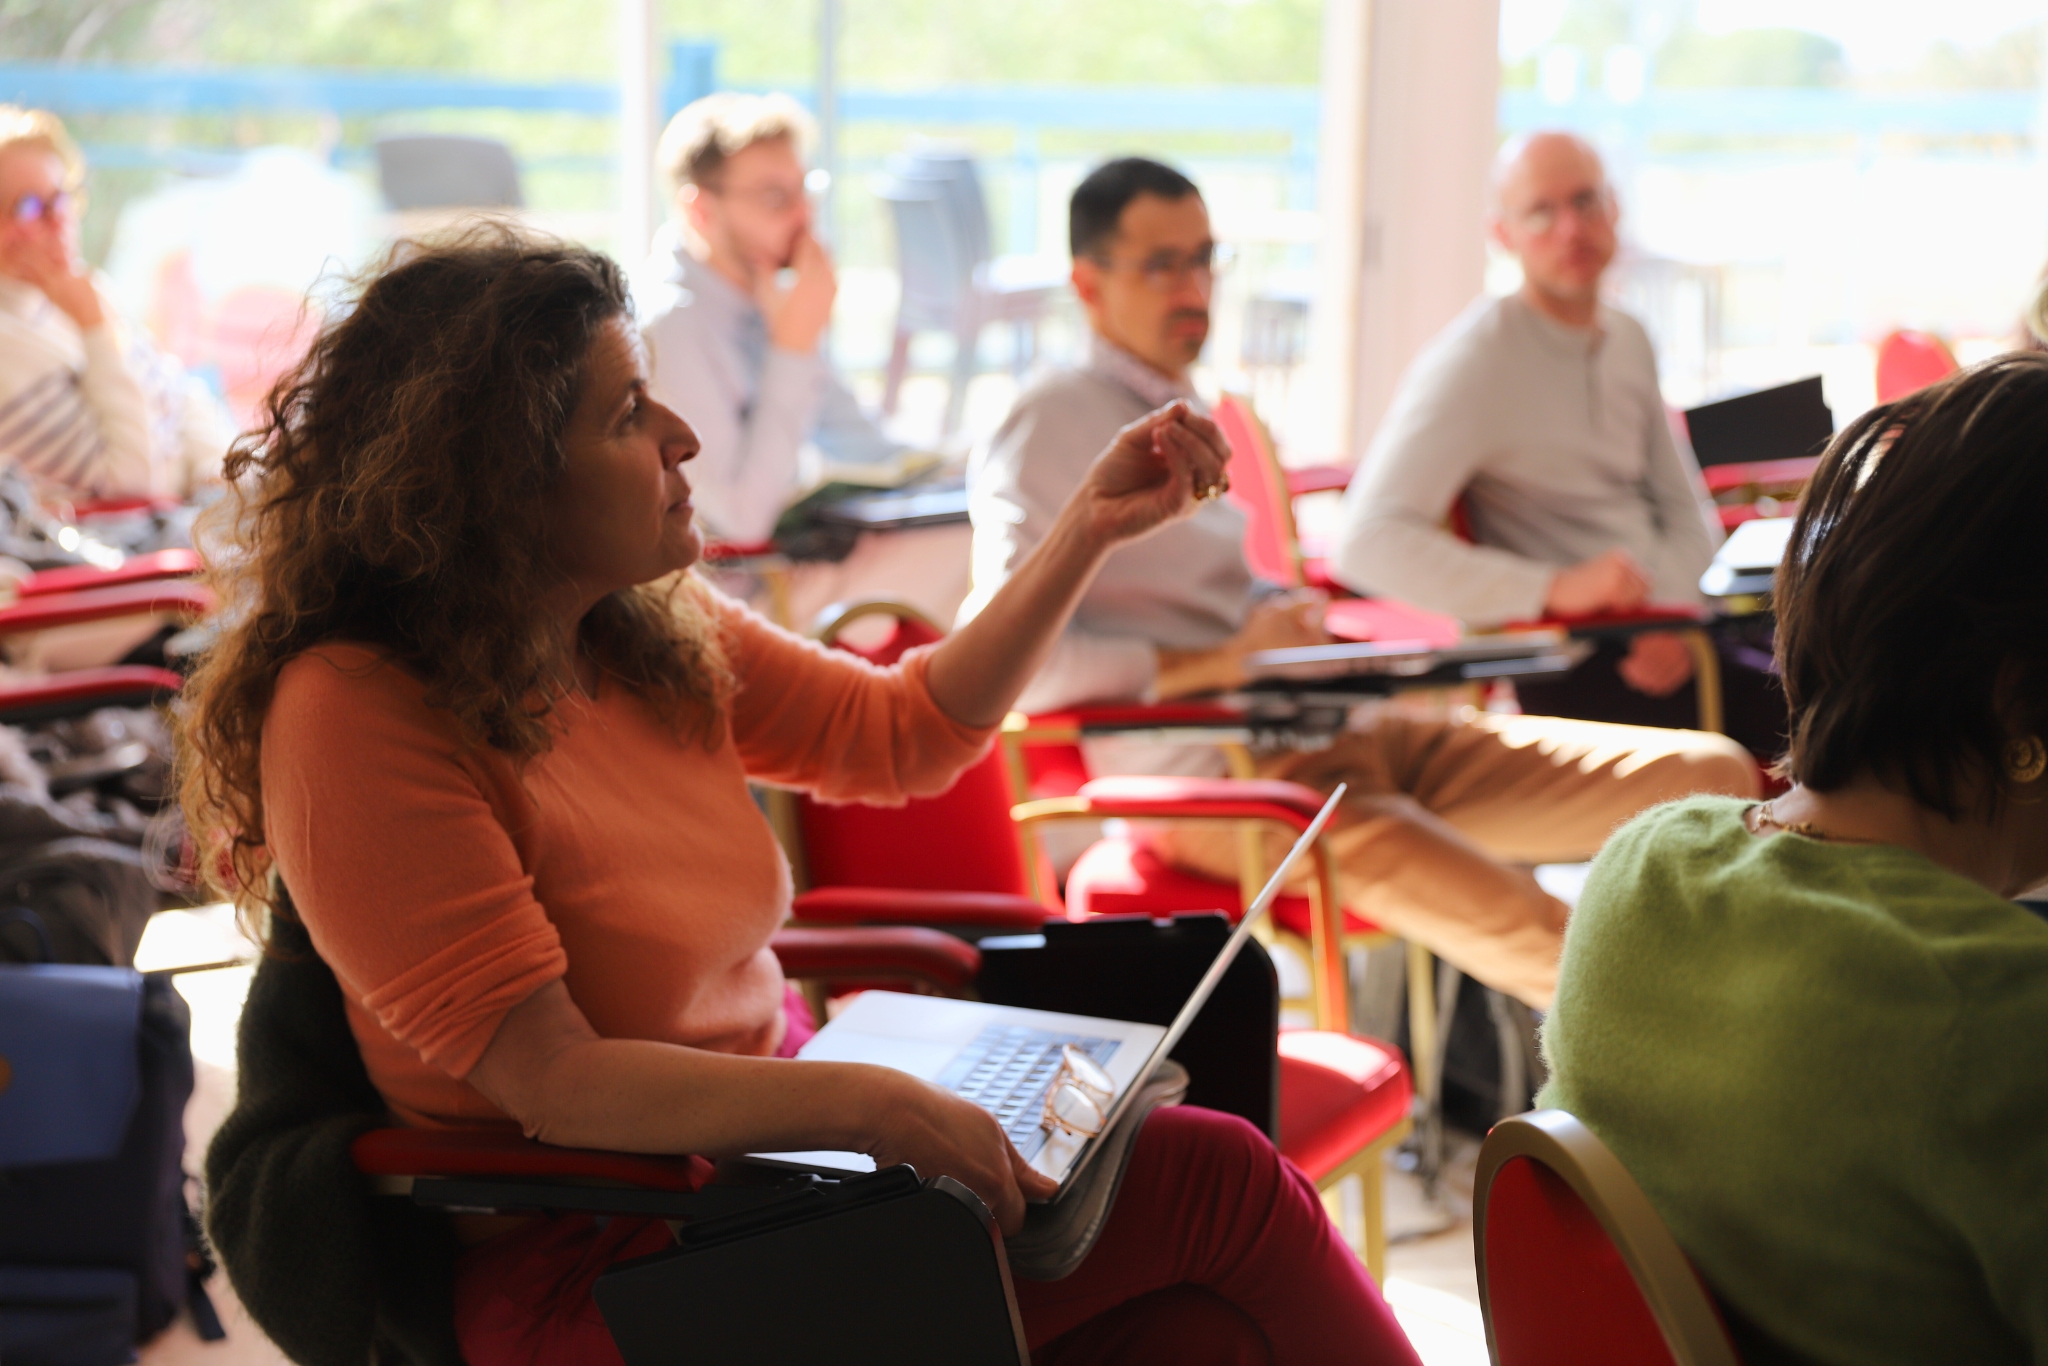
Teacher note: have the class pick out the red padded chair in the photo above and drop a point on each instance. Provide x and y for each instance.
(1574, 1263)
(1909, 361)
(148, 568)
(861, 861)
(58, 632)
(1266, 490)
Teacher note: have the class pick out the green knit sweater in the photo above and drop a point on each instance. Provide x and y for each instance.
(1827, 1064)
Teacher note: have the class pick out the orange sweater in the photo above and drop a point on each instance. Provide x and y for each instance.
(444, 886)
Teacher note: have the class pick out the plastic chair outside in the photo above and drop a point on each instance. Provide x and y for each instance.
(950, 280)
(1909, 361)
(1574, 1263)
(440, 171)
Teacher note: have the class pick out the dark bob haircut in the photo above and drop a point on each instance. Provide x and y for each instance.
(1100, 200)
(1913, 600)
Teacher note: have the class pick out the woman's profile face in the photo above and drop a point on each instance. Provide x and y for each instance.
(622, 514)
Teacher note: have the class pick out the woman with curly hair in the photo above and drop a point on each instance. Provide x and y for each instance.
(475, 712)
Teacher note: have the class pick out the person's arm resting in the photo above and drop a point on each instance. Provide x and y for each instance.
(1392, 540)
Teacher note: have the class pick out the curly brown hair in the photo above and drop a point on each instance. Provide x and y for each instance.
(395, 496)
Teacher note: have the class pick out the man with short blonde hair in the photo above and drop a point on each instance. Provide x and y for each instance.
(697, 141)
(735, 349)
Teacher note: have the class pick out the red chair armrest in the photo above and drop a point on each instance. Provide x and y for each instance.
(899, 906)
(910, 954)
(716, 551)
(1722, 478)
(77, 690)
(492, 1152)
(121, 507)
(1318, 479)
(159, 564)
(1652, 618)
(1137, 714)
(1234, 798)
(166, 597)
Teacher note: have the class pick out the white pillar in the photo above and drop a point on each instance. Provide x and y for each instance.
(1410, 89)
(1328, 413)
(639, 109)
(828, 112)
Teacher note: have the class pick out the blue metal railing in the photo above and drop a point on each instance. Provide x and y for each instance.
(1792, 113)
(1285, 114)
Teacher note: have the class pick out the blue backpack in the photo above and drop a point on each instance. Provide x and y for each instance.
(98, 1248)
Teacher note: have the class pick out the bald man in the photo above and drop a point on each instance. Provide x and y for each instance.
(1540, 413)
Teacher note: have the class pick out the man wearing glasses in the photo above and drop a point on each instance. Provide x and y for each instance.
(86, 404)
(735, 345)
(1437, 805)
(1539, 415)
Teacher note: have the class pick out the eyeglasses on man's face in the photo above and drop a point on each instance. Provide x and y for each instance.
(1595, 204)
(775, 198)
(1166, 270)
(54, 207)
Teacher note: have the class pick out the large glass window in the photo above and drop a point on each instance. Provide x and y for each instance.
(1801, 177)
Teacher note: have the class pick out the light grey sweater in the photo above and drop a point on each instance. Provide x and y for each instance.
(753, 405)
(1183, 587)
(1557, 439)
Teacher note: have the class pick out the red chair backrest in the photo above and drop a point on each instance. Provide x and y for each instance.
(1909, 361)
(1256, 485)
(1575, 1263)
(1557, 1287)
(961, 840)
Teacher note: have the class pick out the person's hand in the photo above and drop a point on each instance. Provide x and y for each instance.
(942, 1135)
(46, 263)
(1152, 474)
(799, 313)
(1612, 582)
(1287, 621)
(1658, 663)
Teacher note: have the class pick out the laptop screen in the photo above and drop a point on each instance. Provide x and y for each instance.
(1199, 997)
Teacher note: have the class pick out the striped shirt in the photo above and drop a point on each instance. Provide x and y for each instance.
(72, 411)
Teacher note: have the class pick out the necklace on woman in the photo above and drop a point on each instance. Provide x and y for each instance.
(1766, 814)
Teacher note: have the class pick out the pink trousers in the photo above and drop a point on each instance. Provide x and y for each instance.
(1217, 1251)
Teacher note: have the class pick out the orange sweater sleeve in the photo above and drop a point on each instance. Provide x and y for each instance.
(397, 849)
(827, 721)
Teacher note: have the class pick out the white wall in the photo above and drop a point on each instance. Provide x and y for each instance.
(1409, 89)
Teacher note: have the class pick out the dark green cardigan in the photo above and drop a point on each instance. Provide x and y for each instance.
(335, 1275)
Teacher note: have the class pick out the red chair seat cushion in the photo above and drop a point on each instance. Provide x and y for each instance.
(1337, 1094)
(1384, 620)
(1125, 877)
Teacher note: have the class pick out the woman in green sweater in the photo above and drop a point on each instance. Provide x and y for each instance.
(1816, 1029)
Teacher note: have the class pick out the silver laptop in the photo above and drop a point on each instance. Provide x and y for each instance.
(1006, 1059)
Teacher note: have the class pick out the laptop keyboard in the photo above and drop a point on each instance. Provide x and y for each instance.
(1007, 1070)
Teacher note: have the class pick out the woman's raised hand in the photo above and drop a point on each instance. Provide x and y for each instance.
(1158, 470)
(942, 1135)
